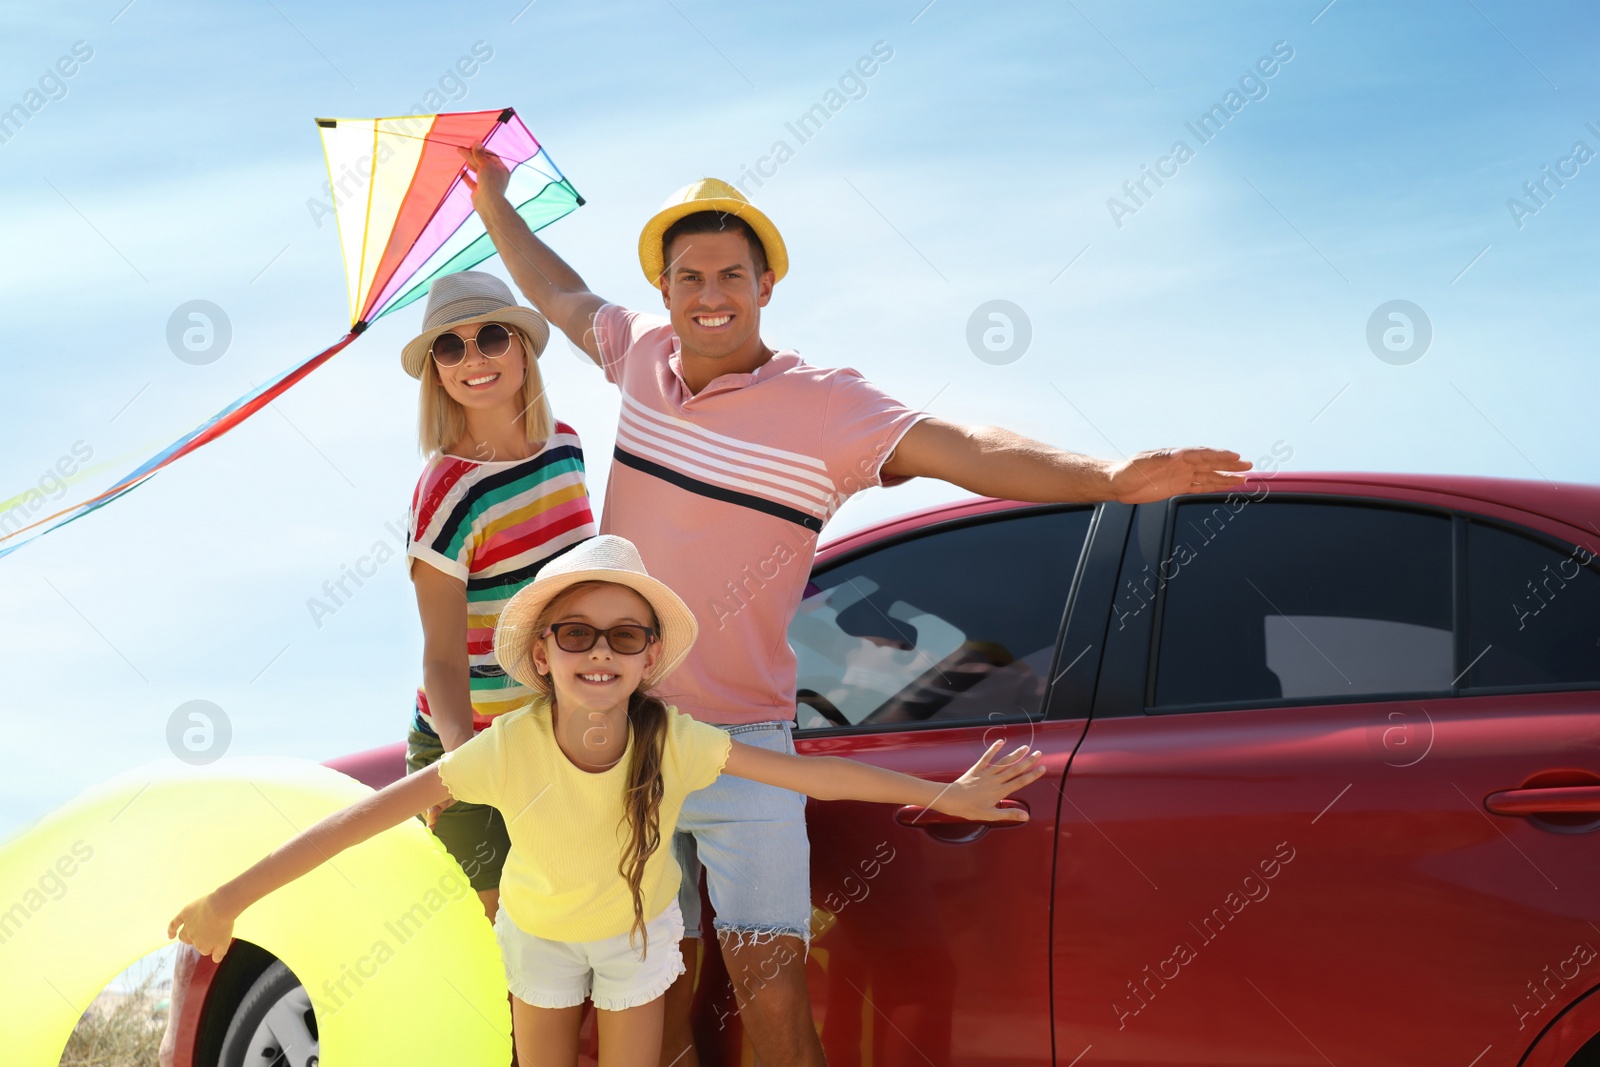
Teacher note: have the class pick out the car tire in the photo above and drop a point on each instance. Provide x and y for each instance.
(274, 1024)
(1588, 1055)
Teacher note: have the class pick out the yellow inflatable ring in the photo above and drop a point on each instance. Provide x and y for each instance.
(388, 938)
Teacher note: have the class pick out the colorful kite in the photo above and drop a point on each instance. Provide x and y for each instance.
(405, 218)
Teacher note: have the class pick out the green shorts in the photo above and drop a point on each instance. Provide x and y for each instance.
(475, 834)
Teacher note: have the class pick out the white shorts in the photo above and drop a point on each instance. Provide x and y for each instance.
(612, 973)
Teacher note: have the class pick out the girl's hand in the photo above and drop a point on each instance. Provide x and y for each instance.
(487, 175)
(205, 926)
(974, 795)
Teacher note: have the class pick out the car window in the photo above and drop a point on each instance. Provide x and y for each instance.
(1300, 602)
(955, 625)
(1533, 611)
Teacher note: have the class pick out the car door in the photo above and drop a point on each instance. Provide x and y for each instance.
(930, 938)
(1276, 839)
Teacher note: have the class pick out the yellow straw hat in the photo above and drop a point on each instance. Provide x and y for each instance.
(709, 194)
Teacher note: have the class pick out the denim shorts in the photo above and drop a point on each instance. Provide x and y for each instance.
(475, 834)
(615, 972)
(750, 839)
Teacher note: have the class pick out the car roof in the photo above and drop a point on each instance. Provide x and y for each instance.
(1572, 504)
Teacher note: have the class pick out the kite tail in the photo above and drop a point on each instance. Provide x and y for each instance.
(208, 431)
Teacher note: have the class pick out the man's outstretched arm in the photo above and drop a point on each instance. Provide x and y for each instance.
(991, 461)
(551, 286)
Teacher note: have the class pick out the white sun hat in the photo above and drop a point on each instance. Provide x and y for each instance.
(606, 558)
(464, 298)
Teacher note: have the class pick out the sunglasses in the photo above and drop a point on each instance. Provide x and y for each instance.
(629, 639)
(492, 340)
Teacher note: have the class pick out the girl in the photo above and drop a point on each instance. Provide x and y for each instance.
(590, 777)
(503, 492)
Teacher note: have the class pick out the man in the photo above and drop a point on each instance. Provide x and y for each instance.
(730, 458)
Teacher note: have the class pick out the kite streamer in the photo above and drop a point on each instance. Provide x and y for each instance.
(404, 218)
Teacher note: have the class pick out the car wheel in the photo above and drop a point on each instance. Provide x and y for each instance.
(274, 1025)
(1588, 1055)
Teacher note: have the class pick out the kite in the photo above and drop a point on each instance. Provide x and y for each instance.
(405, 218)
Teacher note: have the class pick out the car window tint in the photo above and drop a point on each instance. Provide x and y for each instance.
(1533, 610)
(955, 625)
(1283, 600)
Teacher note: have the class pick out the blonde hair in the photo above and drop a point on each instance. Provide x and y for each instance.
(441, 421)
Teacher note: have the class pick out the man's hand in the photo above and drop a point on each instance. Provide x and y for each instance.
(555, 289)
(974, 795)
(487, 176)
(1164, 472)
(204, 925)
(991, 461)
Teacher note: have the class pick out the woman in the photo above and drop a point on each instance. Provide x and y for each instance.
(502, 494)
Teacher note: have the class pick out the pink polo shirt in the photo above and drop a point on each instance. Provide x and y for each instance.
(724, 491)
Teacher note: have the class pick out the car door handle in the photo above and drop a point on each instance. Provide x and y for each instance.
(927, 818)
(1545, 800)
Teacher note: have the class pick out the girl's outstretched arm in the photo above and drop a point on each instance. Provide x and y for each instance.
(972, 796)
(207, 923)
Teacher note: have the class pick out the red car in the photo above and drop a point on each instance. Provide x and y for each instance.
(1324, 777)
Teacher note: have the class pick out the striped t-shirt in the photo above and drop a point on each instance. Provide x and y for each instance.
(493, 525)
(724, 491)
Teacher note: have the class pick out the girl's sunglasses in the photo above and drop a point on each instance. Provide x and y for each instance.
(450, 349)
(626, 640)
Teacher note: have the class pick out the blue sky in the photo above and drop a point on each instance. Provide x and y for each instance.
(1229, 307)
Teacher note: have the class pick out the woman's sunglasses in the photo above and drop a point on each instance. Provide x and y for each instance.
(626, 640)
(492, 340)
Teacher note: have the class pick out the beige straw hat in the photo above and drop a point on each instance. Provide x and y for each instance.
(606, 558)
(464, 298)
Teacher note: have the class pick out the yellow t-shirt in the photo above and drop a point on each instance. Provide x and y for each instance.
(567, 826)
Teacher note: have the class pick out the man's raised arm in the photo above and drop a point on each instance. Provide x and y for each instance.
(994, 462)
(551, 286)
